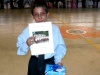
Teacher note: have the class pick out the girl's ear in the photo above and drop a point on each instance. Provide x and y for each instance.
(47, 14)
(32, 16)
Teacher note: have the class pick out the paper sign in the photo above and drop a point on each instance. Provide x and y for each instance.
(43, 43)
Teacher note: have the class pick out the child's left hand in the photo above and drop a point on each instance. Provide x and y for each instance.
(60, 64)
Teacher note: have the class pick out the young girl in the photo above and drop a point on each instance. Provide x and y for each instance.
(40, 13)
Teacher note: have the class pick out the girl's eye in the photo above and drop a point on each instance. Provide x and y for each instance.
(35, 14)
(42, 13)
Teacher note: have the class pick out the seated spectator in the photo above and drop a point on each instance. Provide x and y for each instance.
(60, 4)
(6, 4)
(90, 4)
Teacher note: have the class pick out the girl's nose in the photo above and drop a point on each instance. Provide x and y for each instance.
(39, 17)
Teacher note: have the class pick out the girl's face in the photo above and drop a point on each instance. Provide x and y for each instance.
(39, 14)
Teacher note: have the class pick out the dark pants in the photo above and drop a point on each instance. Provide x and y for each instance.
(83, 3)
(33, 66)
(2, 6)
(20, 4)
(11, 4)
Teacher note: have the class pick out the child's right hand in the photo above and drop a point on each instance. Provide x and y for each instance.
(30, 41)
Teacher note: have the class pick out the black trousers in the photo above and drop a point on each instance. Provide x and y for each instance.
(33, 65)
(11, 4)
(2, 6)
(20, 4)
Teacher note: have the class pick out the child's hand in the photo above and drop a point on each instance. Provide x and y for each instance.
(60, 64)
(30, 41)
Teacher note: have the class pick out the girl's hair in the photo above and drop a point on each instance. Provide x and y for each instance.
(38, 4)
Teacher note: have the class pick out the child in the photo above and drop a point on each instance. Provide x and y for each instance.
(40, 13)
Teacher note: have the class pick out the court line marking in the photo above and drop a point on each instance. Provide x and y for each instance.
(89, 41)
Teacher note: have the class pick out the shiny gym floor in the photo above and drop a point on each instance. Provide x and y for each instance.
(80, 29)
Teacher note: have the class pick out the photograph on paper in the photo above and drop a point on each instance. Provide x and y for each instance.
(41, 37)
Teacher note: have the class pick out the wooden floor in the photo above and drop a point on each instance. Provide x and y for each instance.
(79, 27)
